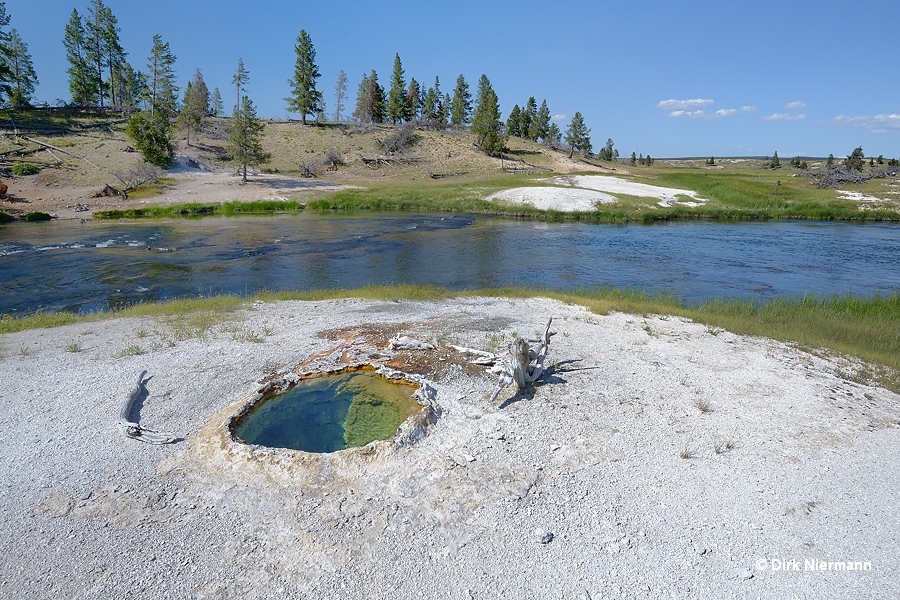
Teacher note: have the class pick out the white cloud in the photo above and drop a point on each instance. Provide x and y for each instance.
(688, 114)
(795, 105)
(684, 105)
(695, 109)
(875, 123)
(558, 118)
(784, 117)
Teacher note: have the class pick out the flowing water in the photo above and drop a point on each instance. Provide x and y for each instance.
(98, 265)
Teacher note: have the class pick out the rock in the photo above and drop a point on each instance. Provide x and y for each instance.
(543, 537)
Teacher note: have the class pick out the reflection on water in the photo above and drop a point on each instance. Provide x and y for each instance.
(98, 265)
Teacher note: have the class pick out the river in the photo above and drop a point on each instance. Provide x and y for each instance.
(96, 265)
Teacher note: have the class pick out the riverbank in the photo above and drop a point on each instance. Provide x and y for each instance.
(658, 457)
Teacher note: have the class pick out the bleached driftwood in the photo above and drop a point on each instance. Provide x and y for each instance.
(133, 430)
(481, 357)
(404, 342)
(517, 365)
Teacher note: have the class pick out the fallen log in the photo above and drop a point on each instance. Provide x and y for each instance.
(133, 430)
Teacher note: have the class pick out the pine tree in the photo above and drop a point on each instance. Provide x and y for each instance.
(578, 135)
(413, 100)
(363, 112)
(830, 162)
(633, 160)
(239, 79)
(486, 124)
(305, 98)
(855, 160)
(216, 108)
(553, 139)
(608, 152)
(376, 93)
(514, 121)
(104, 54)
(397, 105)
(81, 79)
(541, 123)
(431, 106)
(244, 142)
(5, 72)
(340, 92)
(195, 106)
(22, 79)
(369, 100)
(95, 46)
(528, 115)
(152, 133)
(439, 105)
(445, 110)
(461, 104)
(123, 88)
(161, 78)
(113, 58)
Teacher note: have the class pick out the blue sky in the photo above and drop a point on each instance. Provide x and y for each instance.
(665, 78)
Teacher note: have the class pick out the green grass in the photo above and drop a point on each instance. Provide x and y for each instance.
(762, 195)
(865, 328)
(199, 209)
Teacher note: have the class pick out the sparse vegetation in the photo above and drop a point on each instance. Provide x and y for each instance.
(703, 404)
(73, 347)
(865, 328)
(721, 445)
(133, 350)
(20, 169)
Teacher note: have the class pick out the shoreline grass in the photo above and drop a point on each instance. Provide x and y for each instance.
(867, 329)
(730, 199)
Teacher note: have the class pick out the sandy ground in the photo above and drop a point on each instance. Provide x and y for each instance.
(656, 458)
(194, 182)
(583, 192)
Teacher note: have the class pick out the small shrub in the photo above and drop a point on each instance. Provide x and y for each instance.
(19, 169)
(73, 347)
(703, 404)
(401, 139)
(721, 445)
(133, 350)
(36, 216)
(686, 451)
(5, 217)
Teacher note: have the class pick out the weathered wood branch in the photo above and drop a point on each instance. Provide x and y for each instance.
(517, 366)
(132, 429)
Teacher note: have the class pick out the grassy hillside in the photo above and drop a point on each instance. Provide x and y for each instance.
(437, 170)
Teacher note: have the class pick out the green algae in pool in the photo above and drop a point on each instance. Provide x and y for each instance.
(330, 413)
